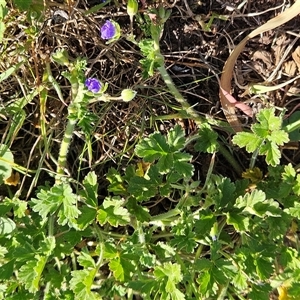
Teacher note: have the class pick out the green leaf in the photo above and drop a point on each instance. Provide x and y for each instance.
(296, 187)
(240, 281)
(205, 282)
(164, 250)
(116, 267)
(81, 284)
(110, 251)
(248, 140)
(177, 295)
(11, 70)
(294, 290)
(238, 221)
(85, 260)
(289, 174)
(7, 226)
(141, 213)
(279, 137)
(152, 148)
(144, 188)
(294, 211)
(205, 223)
(6, 270)
(264, 268)
(113, 212)
(186, 241)
(145, 286)
(176, 138)
(172, 272)
(121, 268)
(2, 30)
(166, 152)
(266, 136)
(60, 197)
(207, 141)
(169, 275)
(19, 207)
(166, 163)
(116, 185)
(149, 63)
(203, 264)
(147, 259)
(30, 273)
(23, 5)
(6, 162)
(260, 131)
(88, 215)
(47, 245)
(90, 183)
(182, 165)
(293, 119)
(221, 192)
(267, 119)
(255, 203)
(146, 46)
(272, 152)
(248, 202)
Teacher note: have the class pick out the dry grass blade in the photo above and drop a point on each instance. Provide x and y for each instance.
(229, 108)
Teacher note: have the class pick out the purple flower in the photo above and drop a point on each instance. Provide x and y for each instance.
(108, 30)
(93, 85)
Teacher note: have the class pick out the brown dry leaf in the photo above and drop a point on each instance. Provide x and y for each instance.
(290, 68)
(279, 48)
(265, 56)
(225, 81)
(263, 62)
(14, 179)
(293, 90)
(296, 57)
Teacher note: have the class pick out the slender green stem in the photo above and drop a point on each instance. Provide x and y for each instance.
(189, 110)
(178, 96)
(166, 216)
(253, 159)
(100, 238)
(51, 225)
(230, 159)
(293, 126)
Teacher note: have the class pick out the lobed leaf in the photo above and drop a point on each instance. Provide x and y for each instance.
(268, 120)
(30, 273)
(272, 153)
(176, 138)
(60, 197)
(207, 141)
(81, 284)
(152, 148)
(113, 212)
(248, 140)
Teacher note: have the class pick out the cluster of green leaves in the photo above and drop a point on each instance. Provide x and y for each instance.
(220, 240)
(266, 136)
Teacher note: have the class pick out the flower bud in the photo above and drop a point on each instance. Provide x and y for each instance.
(132, 8)
(61, 57)
(127, 95)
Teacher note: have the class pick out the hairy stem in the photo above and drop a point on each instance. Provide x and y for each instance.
(190, 111)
